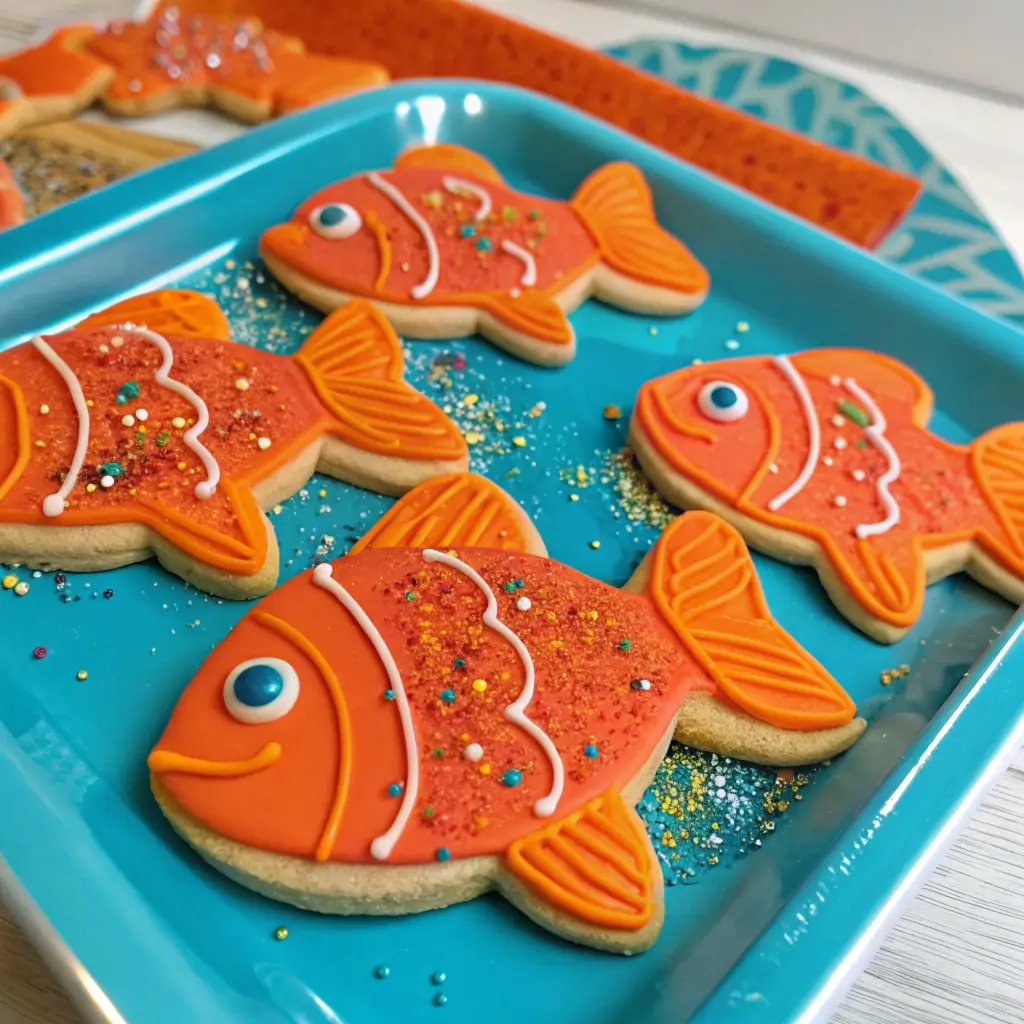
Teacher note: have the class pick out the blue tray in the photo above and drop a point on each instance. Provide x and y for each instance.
(776, 929)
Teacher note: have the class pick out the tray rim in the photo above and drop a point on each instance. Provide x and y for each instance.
(31, 247)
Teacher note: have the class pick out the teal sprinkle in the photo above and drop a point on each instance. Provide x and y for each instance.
(443, 853)
(439, 977)
(625, 644)
(519, 584)
(459, 663)
(590, 750)
(395, 789)
(484, 245)
(127, 391)
(467, 231)
(448, 696)
(410, 595)
(389, 694)
(440, 999)
(112, 469)
(512, 778)
(382, 971)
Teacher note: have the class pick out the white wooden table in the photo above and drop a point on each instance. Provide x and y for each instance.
(957, 954)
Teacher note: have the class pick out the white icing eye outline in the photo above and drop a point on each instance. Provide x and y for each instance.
(275, 708)
(335, 221)
(723, 401)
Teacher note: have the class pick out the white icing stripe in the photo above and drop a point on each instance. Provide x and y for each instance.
(813, 431)
(515, 712)
(876, 435)
(208, 487)
(457, 185)
(381, 847)
(529, 277)
(427, 285)
(53, 504)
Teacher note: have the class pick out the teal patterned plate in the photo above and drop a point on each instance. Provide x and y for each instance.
(946, 238)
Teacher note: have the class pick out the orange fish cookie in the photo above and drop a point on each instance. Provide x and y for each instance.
(51, 81)
(445, 711)
(178, 60)
(446, 248)
(146, 430)
(824, 458)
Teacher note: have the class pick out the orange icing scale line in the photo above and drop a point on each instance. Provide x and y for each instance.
(161, 761)
(380, 232)
(344, 722)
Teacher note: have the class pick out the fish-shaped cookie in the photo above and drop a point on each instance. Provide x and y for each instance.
(445, 711)
(824, 458)
(446, 248)
(146, 430)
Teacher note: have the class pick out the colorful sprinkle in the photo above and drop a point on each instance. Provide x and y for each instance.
(264, 443)
(484, 245)
(440, 999)
(512, 777)
(467, 231)
(107, 481)
(641, 684)
(839, 501)
(510, 586)
(20, 589)
(591, 750)
(39, 653)
(473, 752)
(178, 423)
(114, 469)
(438, 978)
(595, 544)
(9, 581)
(459, 663)
(381, 971)
(479, 685)
(141, 415)
(81, 675)
(612, 412)
(742, 327)
(389, 694)
(448, 696)
(524, 604)
(443, 853)
(625, 644)
(852, 411)
(162, 438)
(395, 789)
(281, 933)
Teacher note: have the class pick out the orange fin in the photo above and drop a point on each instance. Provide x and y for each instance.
(316, 79)
(998, 462)
(14, 435)
(238, 544)
(615, 204)
(534, 315)
(458, 510)
(355, 362)
(12, 203)
(451, 158)
(596, 865)
(171, 311)
(705, 585)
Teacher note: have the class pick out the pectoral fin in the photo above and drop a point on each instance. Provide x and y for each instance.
(704, 583)
(458, 510)
(593, 871)
(531, 324)
(168, 311)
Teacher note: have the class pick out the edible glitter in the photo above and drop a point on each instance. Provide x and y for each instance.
(703, 810)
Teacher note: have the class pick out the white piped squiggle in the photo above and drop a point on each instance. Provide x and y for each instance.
(876, 435)
(53, 504)
(529, 278)
(458, 185)
(427, 285)
(205, 488)
(813, 432)
(381, 847)
(515, 712)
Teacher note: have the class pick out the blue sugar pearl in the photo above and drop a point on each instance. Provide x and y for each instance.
(440, 999)
(258, 686)
(724, 397)
(520, 584)
(389, 694)
(439, 977)
(381, 972)
(512, 777)
(331, 215)
(395, 789)
(484, 245)
(590, 750)
(448, 696)
(443, 853)
(467, 231)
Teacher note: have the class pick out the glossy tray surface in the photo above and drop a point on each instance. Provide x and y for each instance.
(769, 933)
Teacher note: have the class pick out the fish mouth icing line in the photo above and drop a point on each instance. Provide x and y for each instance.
(461, 713)
(137, 414)
(476, 254)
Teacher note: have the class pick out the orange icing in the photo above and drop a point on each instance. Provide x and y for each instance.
(945, 492)
(596, 865)
(199, 56)
(583, 695)
(12, 204)
(353, 358)
(57, 67)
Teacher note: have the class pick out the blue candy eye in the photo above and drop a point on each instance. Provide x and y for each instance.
(723, 401)
(261, 690)
(335, 220)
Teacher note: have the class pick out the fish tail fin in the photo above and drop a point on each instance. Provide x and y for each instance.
(592, 872)
(615, 203)
(354, 361)
(704, 582)
(998, 462)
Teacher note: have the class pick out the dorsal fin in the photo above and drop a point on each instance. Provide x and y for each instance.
(451, 158)
(170, 311)
(457, 510)
(704, 583)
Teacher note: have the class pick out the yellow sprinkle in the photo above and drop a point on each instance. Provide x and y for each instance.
(464, 737)
(612, 412)
(536, 411)
(81, 675)
(9, 581)
(322, 492)
(481, 823)
(178, 422)
(595, 544)
(652, 331)
(183, 466)
(506, 676)
(742, 327)
(90, 488)
(474, 437)
(21, 589)
(40, 444)
(252, 437)
(519, 441)
(479, 685)
(485, 769)
(471, 399)
(239, 365)
(242, 384)
(592, 615)
(574, 497)
(88, 402)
